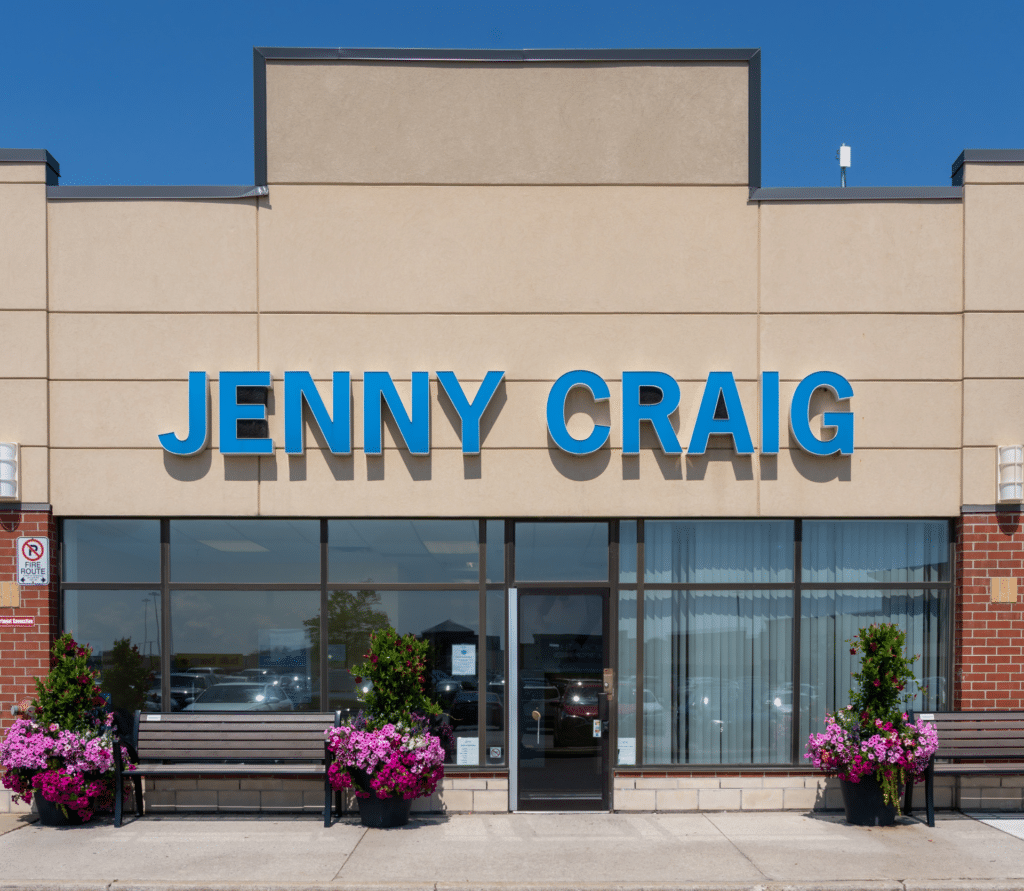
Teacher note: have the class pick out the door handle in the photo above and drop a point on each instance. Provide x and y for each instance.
(609, 684)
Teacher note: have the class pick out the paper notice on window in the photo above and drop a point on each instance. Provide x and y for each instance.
(627, 750)
(463, 659)
(468, 750)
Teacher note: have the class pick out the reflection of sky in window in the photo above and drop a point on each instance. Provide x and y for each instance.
(382, 551)
(562, 552)
(230, 621)
(98, 618)
(112, 551)
(268, 551)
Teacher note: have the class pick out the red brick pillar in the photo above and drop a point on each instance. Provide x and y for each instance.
(989, 642)
(27, 630)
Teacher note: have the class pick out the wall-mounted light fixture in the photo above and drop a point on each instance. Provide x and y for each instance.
(9, 473)
(1010, 483)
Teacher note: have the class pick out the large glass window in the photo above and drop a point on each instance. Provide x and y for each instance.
(496, 686)
(709, 614)
(278, 552)
(627, 692)
(123, 629)
(829, 619)
(416, 551)
(873, 551)
(260, 638)
(111, 551)
(718, 671)
(719, 606)
(718, 552)
(447, 620)
(563, 552)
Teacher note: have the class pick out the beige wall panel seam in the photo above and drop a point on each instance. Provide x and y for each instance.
(468, 184)
(49, 364)
(760, 332)
(390, 447)
(963, 340)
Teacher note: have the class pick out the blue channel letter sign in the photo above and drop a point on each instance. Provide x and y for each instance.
(243, 421)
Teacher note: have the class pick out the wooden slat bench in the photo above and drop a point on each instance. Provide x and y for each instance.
(185, 744)
(980, 743)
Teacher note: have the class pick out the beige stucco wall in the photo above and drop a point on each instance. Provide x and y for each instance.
(993, 321)
(478, 249)
(520, 280)
(450, 122)
(442, 264)
(23, 320)
(152, 256)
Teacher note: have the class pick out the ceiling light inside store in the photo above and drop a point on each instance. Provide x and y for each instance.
(240, 546)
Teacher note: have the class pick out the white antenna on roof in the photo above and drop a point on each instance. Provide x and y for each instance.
(843, 157)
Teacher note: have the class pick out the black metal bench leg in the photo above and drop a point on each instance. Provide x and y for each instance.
(929, 792)
(138, 796)
(908, 800)
(327, 802)
(118, 798)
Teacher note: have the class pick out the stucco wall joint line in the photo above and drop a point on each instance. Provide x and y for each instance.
(624, 184)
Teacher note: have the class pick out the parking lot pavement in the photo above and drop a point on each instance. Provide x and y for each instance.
(516, 852)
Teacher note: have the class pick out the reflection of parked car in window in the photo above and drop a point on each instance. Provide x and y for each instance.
(242, 698)
(540, 695)
(651, 704)
(258, 676)
(445, 687)
(780, 699)
(464, 709)
(577, 710)
(185, 688)
(711, 702)
(210, 675)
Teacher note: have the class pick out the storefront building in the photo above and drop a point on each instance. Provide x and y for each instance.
(513, 352)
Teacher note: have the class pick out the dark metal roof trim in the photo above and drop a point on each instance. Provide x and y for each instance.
(261, 54)
(133, 193)
(388, 54)
(990, 509)
(29, 156)
(861, 193)
(988, 156)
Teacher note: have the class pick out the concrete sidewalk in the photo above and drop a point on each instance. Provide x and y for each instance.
(515, 852)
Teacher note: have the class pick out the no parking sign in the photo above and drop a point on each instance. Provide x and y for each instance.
(33, 561)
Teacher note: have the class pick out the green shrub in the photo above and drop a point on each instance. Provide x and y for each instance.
(68, 695)
(884, 675)
(396, 667)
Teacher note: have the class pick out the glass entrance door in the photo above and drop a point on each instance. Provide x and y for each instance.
(562, 738)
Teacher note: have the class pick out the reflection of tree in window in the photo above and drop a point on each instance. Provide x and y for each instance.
(352, 616)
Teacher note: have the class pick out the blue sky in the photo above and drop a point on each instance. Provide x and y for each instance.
(161, 93)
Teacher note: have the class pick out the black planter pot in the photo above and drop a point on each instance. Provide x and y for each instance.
(50, 814)
(384, 813)
(865, 803)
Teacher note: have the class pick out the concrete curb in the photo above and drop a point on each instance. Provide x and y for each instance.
(863, 885)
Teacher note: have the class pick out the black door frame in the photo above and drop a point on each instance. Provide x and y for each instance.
(607, 710)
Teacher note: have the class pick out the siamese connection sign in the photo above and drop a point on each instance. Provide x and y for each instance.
(648, 398)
